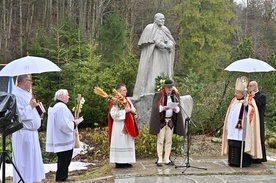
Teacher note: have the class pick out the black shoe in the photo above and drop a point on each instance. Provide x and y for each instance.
(170, 163)
(128, 165)
(159, 164)
(256, 161)
(123, 165)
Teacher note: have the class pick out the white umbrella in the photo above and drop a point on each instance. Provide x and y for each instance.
(249, 65)
(28, 65)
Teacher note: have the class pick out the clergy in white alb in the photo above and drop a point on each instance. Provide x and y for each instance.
(122, 132)
(25, 142)
(60, 136)
(60, 129)
(122, 148)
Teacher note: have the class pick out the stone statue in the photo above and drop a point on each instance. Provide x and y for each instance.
(157, 55)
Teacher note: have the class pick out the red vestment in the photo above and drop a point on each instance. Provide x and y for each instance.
(130, 123)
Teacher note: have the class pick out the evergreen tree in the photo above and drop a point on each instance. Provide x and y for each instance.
(112, 39)
(78, 61)
(204, 29)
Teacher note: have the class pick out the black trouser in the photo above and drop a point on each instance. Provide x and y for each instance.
(234, 154)
(64, 160)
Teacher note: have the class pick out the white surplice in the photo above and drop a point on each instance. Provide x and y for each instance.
(122, 147)
(25, 142)
(60, 129)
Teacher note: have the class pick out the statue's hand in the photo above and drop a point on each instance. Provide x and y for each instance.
(169, 49)
(160, 44)
(169, 45)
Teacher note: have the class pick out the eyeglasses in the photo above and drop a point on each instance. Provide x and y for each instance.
(28, 80)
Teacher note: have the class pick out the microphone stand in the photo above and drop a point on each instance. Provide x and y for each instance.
(187, 125)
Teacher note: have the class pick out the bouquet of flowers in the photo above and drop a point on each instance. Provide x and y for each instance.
(79, 103)
(116, 98)
(77, 110)
(159, 81)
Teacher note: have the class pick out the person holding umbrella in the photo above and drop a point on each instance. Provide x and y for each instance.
(241, 131)
(260, 99)
(25, 142)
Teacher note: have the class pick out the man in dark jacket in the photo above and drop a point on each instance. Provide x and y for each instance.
(260, 99)
(166, 120)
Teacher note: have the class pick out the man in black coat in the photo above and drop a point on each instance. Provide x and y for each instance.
(260, 99)
(166, 121)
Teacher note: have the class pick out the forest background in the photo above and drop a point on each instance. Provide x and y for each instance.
(95, 44)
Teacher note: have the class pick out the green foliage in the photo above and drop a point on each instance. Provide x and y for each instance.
(8, 147)
(202, 43)
(124, 72)
(96, 138)
(81, 70)
(177, 147)
(145, 144)
(191, 85)
(271, 142)
(266, 83)
(79, 63)
(269, 134)
(159, 81)
(243, 50)
(67, 48)
(210, 102)
(112, 39)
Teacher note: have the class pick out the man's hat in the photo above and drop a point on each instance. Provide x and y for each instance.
(241, 84)
(168, 83)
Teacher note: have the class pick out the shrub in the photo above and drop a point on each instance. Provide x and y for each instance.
(98, 145)
(145, 144)
(8, 146)
(271, 142)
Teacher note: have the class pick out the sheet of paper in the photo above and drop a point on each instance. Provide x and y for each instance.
(172, 105)
(81, 119)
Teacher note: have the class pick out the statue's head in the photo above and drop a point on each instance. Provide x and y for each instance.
(159, 19)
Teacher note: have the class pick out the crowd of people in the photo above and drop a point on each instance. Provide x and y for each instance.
(243, 138)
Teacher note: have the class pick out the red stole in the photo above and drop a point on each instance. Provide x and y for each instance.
(129, 124)
(251, 114)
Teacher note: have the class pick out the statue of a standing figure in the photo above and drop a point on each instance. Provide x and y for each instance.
(157, 56)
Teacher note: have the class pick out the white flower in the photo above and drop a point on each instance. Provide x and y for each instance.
(82, 101)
